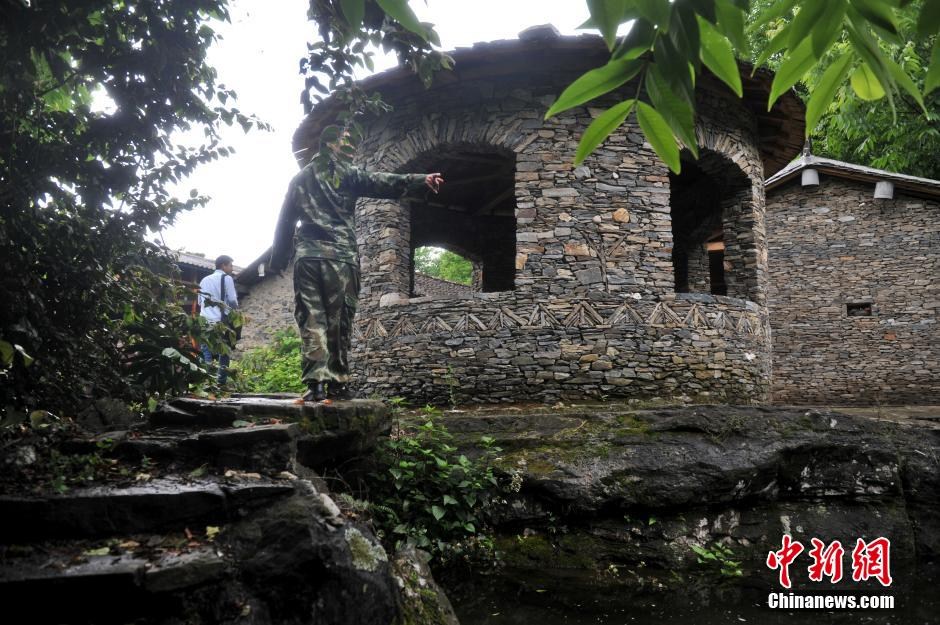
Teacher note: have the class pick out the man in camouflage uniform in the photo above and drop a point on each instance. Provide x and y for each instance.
(326, 262)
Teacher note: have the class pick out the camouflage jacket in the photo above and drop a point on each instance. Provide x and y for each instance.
(327, 213)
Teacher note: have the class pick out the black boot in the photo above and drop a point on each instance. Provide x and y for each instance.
(339, 391)
(316, 391)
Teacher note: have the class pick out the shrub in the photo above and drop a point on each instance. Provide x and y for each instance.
(425, 493)
(274, 368)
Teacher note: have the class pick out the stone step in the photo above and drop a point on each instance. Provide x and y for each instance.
(266, 448)
(317, 433)
(203, 414)
(153, 506)
(78, 583)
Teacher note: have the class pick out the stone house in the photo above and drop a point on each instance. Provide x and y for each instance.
(615, 278)
(854, 260)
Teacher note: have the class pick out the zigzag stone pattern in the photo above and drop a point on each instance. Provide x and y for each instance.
(563, 348)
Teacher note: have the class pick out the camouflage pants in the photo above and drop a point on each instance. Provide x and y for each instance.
(326, 293)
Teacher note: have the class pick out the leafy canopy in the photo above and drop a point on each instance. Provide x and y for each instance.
(854, 129)
(92, 96)
(670, 42)
(443, 264)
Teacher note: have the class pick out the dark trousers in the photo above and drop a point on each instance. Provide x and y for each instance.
(326, 293)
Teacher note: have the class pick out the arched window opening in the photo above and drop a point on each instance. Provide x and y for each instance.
(708, 202)
(442, 272)
(472, 220)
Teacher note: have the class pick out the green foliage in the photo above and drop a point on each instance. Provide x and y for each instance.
(443, 264)
(670, 42)
(719, 558)
(87, 298)
(426, 493)
(274, 368)
(348, 30)
(894, 135)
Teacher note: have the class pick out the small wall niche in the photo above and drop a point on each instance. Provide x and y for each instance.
(858, 309)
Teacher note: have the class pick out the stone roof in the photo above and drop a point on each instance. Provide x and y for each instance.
(541, 49)
(199, 261)
(911, 185)
(431, 285)
(195, 260)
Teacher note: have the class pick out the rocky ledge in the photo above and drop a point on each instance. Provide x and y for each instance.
(625, 498)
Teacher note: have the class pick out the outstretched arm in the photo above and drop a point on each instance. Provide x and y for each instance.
(284, 231)
(362, 183)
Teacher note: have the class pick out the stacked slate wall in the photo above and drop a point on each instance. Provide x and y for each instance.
(832, 248)
(268, 308)
(594, 310)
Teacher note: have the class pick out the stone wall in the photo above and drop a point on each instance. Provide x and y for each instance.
(593, 311)
(833, 246)
(269, 308)
(491, 347)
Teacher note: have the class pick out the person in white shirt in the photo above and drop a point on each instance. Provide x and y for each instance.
(211, 288)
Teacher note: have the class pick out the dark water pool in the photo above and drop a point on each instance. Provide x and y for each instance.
(483, 602)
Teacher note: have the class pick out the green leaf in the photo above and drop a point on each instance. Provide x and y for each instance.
(870, 52)
(449, 501)
(437, 512)
(59, 100)
(933, 74)
(719, 57)
(901, 78)
(353, 11)
(731, 23)
(866, 84)
(659, 135)
(878, 13)
(6, 353)
(677, 112)
(656, 11)
(606, 16)
(793, 68)
(470, 527)
(595, 83)
(773, 11)
(101, 551)
(399, 11)
(675, 66)
(686, 37)
(601, 128)
(778, 43)
(828, 27)
(639, 39)
(825, 89)
(805, 20)
(929, 21)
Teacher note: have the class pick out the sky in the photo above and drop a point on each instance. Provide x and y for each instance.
(258, 56)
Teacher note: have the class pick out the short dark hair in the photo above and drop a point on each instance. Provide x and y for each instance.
(222, 260)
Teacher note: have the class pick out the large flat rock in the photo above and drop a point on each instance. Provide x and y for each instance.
(156, 505)
(636, 489)
(315, 416)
